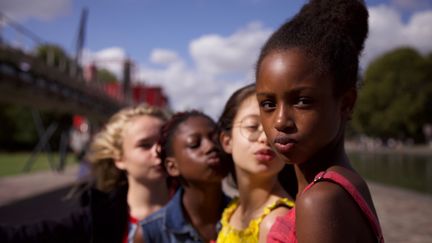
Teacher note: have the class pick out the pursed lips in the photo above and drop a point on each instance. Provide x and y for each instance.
(265, 154)
(284, 143)
(213, 159)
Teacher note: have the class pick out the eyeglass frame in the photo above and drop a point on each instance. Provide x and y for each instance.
(253, 136)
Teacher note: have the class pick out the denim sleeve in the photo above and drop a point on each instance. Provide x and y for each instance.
(152, 228)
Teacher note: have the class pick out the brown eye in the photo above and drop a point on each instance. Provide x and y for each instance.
(304, 102)
(267, 105)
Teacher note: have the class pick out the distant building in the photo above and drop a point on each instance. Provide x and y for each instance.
(140, 93)
(152, 95)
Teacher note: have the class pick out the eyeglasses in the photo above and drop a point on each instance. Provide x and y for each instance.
(250, 128)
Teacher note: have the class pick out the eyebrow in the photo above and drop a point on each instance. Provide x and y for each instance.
(250, 116)
(292, 91)
(264, 94)
(147, 139)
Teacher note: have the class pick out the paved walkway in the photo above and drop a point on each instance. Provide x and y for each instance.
(15, 188)
(405, 216)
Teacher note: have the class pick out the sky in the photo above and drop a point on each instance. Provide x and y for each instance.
(199, 51)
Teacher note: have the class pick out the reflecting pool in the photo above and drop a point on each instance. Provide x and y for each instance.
(403, 170)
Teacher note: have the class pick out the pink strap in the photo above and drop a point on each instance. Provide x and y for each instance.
(349, 187)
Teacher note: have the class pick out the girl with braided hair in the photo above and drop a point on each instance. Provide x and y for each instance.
(189, 152)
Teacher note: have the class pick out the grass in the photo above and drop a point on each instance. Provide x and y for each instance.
(14, 163)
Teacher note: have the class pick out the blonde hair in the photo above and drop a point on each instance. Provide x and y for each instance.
(106, 146)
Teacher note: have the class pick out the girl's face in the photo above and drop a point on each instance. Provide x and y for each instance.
(139, 158)
(196, 157)
(299, 112)
(248, 143)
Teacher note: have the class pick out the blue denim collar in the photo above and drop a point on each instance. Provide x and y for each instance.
(174, 218)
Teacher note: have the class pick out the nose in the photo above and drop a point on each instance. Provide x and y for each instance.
(209, 145)
(154, 150)
(262, 138)
(283, 120)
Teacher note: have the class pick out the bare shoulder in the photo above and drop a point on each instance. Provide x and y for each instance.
(321, 200)
(269, 220)
(325, 213)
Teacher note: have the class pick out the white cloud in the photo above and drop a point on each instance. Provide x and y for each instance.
(387, 31)
(189, 88)
(217, 54)
(419, 31)
(221, 64)
(163, 56)
(20, 10)
(111, 58)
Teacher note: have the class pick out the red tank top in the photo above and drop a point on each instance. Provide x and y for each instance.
(283, 230)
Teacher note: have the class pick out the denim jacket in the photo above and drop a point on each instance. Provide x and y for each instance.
(169, 224)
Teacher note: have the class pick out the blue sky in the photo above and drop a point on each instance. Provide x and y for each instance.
(199, 50)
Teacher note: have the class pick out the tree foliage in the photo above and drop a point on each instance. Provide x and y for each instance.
(53, 55)
(19, 132)
(105, 76)
(18, 129)
(396, 98)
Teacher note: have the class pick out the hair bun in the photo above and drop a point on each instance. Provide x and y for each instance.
(338, 18)
(332, 33)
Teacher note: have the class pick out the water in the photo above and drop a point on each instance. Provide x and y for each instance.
(403, 170)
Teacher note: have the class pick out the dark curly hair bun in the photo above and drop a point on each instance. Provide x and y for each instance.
(337, 20)
(331, 32)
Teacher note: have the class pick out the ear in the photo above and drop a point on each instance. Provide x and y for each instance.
(120, 164)
(171, 166)
(348, 101)
(226, 142)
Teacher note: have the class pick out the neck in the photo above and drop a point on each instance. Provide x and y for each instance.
(203, 203)
(256, 192)
(330, 156)
(144, 199)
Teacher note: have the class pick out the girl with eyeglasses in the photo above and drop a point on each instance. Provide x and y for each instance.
(262, 196)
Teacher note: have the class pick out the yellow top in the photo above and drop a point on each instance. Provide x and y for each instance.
(229, 234)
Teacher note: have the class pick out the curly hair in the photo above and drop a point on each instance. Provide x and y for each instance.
(106, 146)
(331, 33)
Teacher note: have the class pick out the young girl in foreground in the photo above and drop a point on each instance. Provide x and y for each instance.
(126, 165)
(306, 88)
(189, 151)
(262, 198)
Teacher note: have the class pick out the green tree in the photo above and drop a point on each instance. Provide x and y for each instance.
(53, 55)
(395, 101)
(18, 131)
(105, 76)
